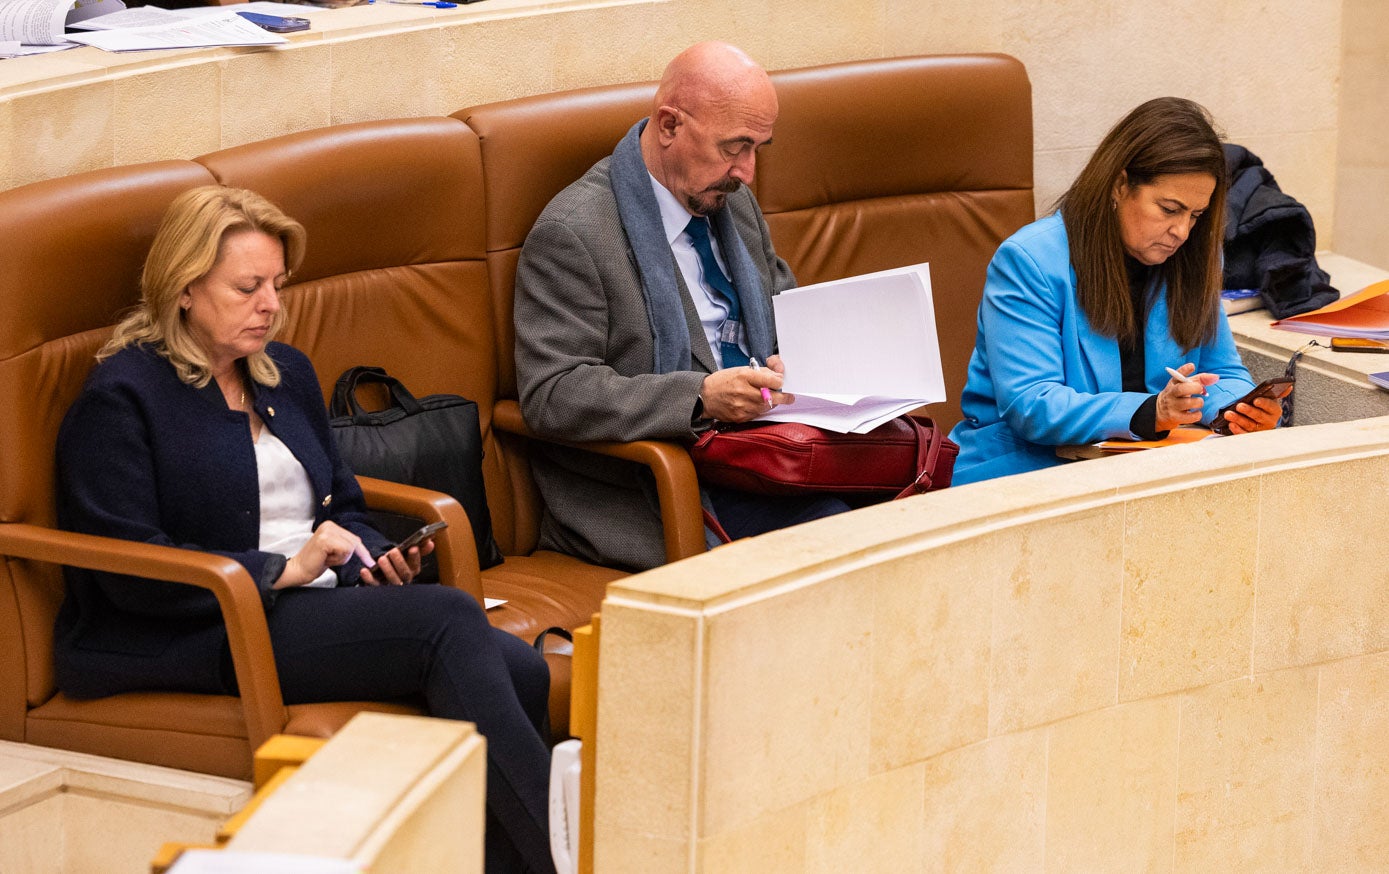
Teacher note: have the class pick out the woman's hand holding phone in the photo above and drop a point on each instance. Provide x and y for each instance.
(401, 563)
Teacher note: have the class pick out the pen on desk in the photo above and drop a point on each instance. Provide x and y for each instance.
(766, 392)
(437, 4)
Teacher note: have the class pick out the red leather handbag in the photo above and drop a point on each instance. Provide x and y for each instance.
(906, 456)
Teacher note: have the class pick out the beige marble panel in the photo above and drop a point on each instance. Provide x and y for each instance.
(873, 825)
(61, 132)
(1352, 782)
(649, 680)
(393, 75)
(931, 638)
(1056, 619)
(631, 849)
(1053, 172)
(1364, 27)
(596, 47)
(1322, 596)
(300, 98)
(771, 844)
(168, 114)
(103, 835)
(1112, 778)
(986, 806)
(747, 24)
(1188, 588)
(31, 838)
(1361, 231)
(1244, 774)
(499, 59)
(1364, 111)
(787, 705)
(809, 32)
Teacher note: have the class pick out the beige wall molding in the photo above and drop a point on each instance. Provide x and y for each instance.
(1104, 666)
(1307, 107)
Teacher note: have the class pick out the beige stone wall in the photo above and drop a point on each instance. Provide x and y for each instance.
(1271, 72)
(1362, 179)
(1176, 661)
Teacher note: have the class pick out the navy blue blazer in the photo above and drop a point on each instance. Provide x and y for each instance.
(1041, 377)
(143, 456)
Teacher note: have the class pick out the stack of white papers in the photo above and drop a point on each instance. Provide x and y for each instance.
(859, 352)
(216, 28)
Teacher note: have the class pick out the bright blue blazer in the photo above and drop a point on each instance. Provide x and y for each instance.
(1041, 377)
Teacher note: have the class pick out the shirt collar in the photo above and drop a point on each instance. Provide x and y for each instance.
(674, 217)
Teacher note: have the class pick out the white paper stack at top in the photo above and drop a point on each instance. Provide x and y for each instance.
(860, 351)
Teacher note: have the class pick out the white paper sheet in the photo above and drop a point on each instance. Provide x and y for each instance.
(859, 351)
(218, 28)
(234, 862)
(33, 22)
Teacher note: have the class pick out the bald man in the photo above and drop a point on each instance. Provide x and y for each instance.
(643, 307)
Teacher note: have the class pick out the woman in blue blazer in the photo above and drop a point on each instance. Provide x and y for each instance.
(1084, 310)
(196, 431)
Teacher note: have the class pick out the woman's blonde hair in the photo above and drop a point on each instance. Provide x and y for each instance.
(1163, 136)
(187, 245)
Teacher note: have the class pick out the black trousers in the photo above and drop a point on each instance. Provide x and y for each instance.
(743, 514)
(374, 643)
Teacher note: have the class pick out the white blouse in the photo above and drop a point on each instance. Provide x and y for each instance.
(286, 502)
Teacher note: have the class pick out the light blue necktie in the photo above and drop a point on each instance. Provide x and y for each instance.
(732, 328)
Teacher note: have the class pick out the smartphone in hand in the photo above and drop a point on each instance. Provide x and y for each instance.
(1277, 388)
(421, 535)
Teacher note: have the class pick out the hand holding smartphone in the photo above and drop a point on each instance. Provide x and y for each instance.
(1277, 388)
(421, 535)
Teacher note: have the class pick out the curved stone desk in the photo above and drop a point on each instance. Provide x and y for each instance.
(1170, 660)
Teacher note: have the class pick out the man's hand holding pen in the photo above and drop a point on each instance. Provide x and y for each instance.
(740, 394)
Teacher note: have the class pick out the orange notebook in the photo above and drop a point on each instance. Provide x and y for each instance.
(1175, 437)
(1363, 314)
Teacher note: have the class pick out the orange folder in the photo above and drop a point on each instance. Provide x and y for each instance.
(1363, 314)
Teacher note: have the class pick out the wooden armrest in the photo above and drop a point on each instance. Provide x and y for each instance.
(454, 548)
(677, 488)
(236, 593)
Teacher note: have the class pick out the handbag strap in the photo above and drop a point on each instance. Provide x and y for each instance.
(344, 402)
(928, 443)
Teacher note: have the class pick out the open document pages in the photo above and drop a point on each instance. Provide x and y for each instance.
(860, 351)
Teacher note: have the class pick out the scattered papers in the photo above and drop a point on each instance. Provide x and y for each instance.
(218, 28)
(489, 603)
(1363, 314)
(859, 351)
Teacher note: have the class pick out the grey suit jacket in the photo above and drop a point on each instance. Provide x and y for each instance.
(584, 361)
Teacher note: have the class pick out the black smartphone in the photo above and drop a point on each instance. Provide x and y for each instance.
(276, 23)
(1277, 388)
(421, 535)
(1358, 344)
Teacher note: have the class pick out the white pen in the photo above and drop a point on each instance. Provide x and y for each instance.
(1178, 375)
(766, 392)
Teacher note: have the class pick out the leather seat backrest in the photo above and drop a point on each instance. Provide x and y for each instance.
(395, 273)
(531, 149)
(71, 262)
(886, 163)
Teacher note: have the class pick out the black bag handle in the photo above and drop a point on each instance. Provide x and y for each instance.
(345, 402)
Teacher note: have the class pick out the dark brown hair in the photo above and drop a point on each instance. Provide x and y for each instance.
(1163, 136)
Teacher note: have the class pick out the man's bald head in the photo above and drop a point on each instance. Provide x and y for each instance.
(714, 74)
(714, 108)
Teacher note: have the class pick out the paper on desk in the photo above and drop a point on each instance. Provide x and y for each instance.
(217, 28)
(859, 351)
(33, 22)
